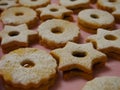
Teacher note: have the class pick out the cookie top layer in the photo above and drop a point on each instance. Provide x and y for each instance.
(103, 83)
(27, 67)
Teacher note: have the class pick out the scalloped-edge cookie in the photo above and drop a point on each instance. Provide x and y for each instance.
(28, 69)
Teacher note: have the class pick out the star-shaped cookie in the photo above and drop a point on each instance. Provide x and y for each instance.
(13, 37)
(54, 11)
(78, 57)
(106, 41)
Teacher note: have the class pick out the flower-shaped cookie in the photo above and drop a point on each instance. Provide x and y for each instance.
(13, 37)
(54, 11)
(106, 41)
(78, 58)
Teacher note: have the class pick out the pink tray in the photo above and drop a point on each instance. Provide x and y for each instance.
(112, 67)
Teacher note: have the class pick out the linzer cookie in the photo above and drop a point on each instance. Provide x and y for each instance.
(13, 37)
(56, 33)
(78, 59)
(28, 69)
(5, 4)
(103, 83)
(112, 6)
(19, 15)
(75, 5)
(34, 3)
(54, 11)
(106, 41)
(92, 19)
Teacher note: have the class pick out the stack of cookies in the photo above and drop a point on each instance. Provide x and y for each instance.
(58, 27)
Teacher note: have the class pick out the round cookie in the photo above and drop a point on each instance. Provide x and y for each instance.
(56, 33)
(19, 15)
(95, 18)
(112, 6)
(4, 4)
(108, 5)
(103, 83)
(34, 3)
(28, 69)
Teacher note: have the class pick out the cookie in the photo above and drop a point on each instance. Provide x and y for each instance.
(13, 37)
(111, 6)
(54, 11)
(106, 41)
(103, 83)
(5, 4)
(19, 15)
(92, 19)
(34, 3)
(56, 33)
(78, 59)
(28, 69)
(75, 5)
(108, 5)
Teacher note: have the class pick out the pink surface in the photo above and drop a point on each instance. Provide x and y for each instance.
(112, 67)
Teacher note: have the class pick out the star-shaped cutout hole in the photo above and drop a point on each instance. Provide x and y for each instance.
(14, 37)
(106, 41)
(78, 58)
(54, 11)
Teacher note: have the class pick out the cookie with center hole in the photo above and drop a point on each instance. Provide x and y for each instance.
(78, 60)
(56, 33)
(28, 69)
(14, 37)
(19, 15)
(92, 19)
(107, 42)
(54, 11)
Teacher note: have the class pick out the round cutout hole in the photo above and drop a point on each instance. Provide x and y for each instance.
(110, 37)
(27, 64)
(57, 30)
(95, 16)
(33, 0)
(79, 54)
(13, 33)
(72, 0)
(54, 9)
(112, 0)
(19, 14)
(3, 4)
